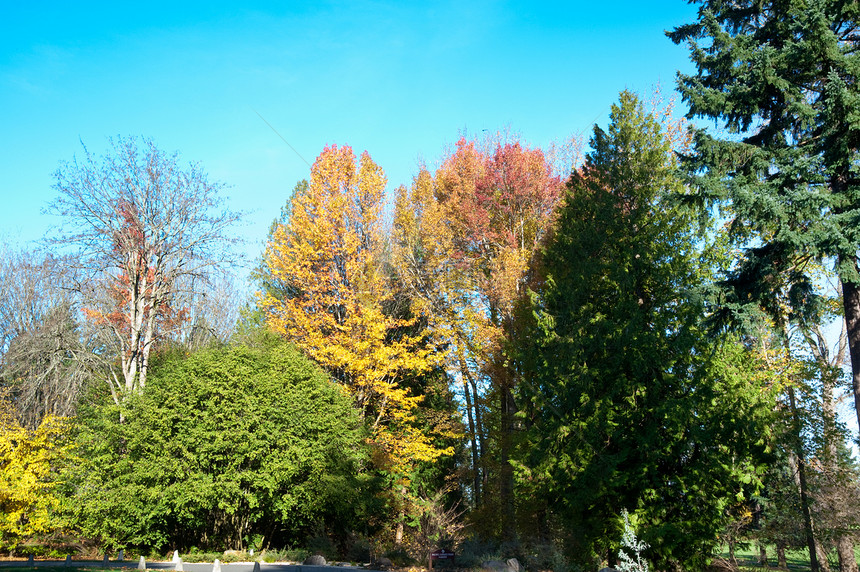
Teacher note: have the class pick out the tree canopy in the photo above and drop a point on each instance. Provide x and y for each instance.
(783, 77)
(223, 445)
(141, 224)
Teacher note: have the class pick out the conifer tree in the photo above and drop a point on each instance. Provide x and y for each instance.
(629, 409)
(782, 77)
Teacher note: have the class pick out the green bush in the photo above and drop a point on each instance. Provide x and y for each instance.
(197, 556)
(400, 557)
(474, 551)
(222, 445)
(285, 555)
(322, 545)
(358, 551)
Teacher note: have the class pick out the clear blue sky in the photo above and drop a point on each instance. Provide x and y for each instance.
(400, 80)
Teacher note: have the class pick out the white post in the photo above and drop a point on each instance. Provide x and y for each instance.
(141, 564)
(216, 566)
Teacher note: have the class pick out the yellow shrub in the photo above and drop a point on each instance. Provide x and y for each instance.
(26, 479)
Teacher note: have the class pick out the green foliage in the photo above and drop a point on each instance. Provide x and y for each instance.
(629, 407)
(782, 76)
(266, 281)
(285, 555)
(194, 555)
(224, 445)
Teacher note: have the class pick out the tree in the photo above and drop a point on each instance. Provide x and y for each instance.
(46, 358)
(334, 303)
(782, 77)
(27, 476)
(628, 407)
(836, 478)
(141, 223)
(463, 244)
(223, 446)
(269, 284)
(211, 307)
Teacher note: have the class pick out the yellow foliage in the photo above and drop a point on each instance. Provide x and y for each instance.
(26, 478)
(330, 253)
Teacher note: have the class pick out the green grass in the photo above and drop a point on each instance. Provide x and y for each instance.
(748, 558)
(797, 560)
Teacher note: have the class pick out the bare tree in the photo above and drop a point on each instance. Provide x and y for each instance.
(838, 489)
(141, 223)
(212, 310)
(45, 357)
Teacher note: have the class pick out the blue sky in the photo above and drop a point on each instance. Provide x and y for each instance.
(400, 80)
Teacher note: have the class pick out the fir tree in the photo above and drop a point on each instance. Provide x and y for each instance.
(782, 77)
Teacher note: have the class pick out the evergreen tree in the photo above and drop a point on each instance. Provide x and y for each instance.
(782, 77)
(629, 409)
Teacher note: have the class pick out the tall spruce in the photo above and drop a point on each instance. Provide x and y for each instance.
(629, 408)
(782, 77)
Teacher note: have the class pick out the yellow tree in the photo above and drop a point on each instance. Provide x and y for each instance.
(26, 479)
(329, 254)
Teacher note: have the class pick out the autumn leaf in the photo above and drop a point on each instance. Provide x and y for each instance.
(331, 254)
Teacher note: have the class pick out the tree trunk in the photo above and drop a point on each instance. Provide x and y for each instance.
(398, 531)
(823, 561)
(800, 480)
(781, 562)
(828, 366)
(472, 433)
(845, 549)
(762, 554)
(506, 471)
(851, 306)
(479, 429)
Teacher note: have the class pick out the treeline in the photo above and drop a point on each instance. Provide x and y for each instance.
(529, 357)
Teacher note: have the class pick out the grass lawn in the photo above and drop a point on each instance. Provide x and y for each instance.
(748, 557)
(796, 559)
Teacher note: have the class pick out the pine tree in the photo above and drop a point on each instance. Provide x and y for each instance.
(629, 409)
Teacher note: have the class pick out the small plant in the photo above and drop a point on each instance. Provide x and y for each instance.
(255, 542)
(285, 555)
(630, 555)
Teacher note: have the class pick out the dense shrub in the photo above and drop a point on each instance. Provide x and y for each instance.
(222, 446)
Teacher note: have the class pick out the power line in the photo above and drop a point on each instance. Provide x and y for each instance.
(282, 138)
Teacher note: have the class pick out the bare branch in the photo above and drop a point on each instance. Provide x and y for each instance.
(140, 224)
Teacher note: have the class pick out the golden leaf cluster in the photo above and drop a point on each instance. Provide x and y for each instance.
(465, 238)
(26, 477)
(337, 309)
